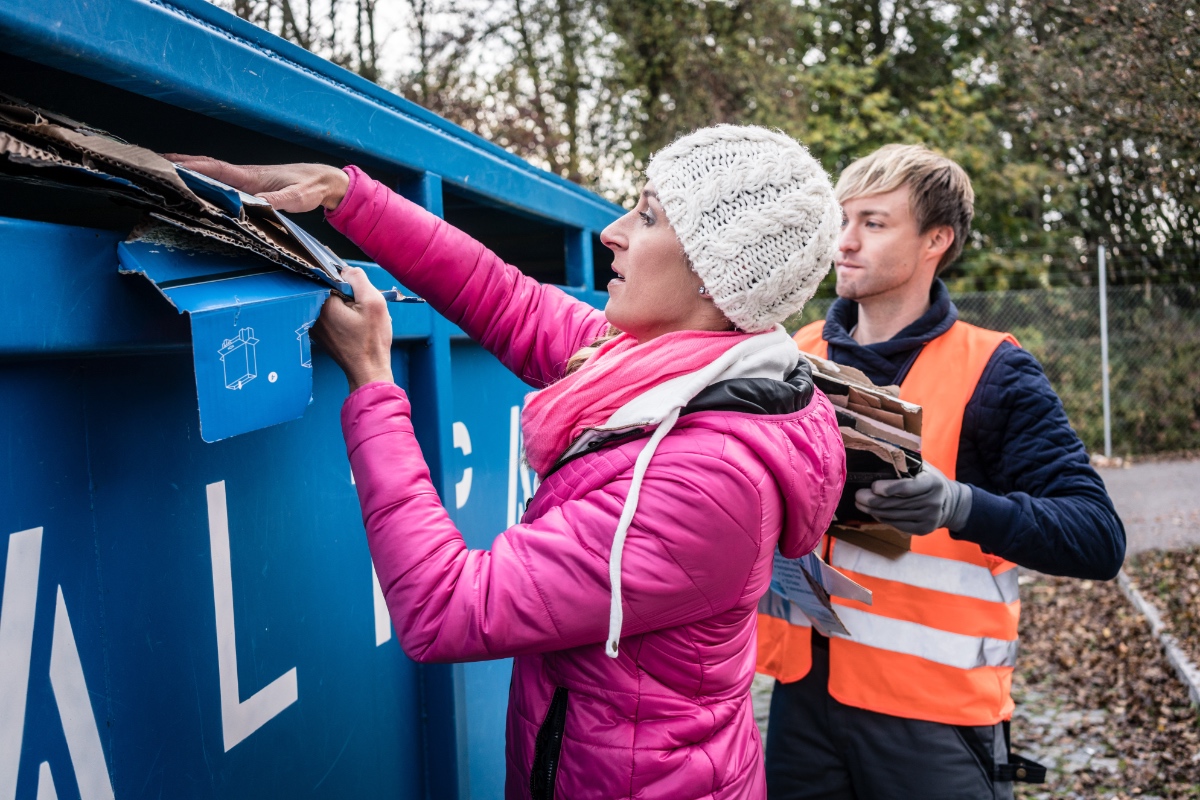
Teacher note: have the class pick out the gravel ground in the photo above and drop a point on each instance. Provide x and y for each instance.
(1097, 702)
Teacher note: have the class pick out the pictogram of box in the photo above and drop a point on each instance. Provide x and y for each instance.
(240, 359)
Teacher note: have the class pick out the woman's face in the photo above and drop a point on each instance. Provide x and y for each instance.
(655, 291)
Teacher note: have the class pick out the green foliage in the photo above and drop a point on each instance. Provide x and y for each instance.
(1076, 119)
(846, 77)
(683, 64)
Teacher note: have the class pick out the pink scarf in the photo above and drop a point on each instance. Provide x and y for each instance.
(618, 372)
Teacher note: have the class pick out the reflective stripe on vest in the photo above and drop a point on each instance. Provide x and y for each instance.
(940, 639)
(943, 647)
(930, 572)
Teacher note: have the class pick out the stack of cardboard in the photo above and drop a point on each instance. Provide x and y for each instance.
(42, 147)
(882, 434)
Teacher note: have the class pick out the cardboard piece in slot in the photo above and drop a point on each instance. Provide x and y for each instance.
(801, 591)
(42, 147)
(876, 537)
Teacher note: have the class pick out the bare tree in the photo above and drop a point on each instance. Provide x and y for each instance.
(317, 25)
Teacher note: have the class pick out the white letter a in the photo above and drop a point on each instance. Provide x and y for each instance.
(66, 679)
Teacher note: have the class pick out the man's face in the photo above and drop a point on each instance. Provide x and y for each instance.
(880, 248)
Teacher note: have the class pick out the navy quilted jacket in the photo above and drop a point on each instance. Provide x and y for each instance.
(1036, 501)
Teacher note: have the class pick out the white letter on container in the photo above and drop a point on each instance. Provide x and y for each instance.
(238, 719)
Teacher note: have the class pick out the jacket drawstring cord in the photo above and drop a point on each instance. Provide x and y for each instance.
(616, 614)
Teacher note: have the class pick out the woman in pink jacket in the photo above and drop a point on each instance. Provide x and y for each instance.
(678, 438)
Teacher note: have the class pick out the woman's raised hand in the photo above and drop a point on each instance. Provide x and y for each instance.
(358, 332)
(287, 187)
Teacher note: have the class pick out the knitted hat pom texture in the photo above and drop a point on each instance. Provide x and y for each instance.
(756, 215)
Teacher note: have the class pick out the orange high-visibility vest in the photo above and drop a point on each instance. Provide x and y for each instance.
(939, 640)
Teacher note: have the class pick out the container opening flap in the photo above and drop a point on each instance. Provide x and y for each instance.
(250, 323)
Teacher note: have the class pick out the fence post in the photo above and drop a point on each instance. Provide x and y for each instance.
(1104, 353)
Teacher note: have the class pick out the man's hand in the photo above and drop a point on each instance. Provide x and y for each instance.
(358, 332)
(288, 187)
(918, 505)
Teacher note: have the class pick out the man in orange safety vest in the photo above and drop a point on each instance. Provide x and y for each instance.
(915, 702)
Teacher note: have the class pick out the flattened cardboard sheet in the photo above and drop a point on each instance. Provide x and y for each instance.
(882, 435)
(801, 591)
(39, 146)
(874, 536)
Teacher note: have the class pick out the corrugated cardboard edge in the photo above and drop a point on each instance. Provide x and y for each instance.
(877, 538)
(1184, 668)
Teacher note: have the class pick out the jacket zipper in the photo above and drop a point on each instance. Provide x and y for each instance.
(548, 748)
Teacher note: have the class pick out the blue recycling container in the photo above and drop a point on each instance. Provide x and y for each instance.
(188, 618)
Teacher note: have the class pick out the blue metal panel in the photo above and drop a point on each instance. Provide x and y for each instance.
(80, 304)
(83, 306)
(493, 485)
(250, 323)
(118, 481)
(41, 489)
(103, 457)
(442, 689)
(580, 269)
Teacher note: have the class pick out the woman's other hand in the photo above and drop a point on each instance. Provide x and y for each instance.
(288, 187)
(358, 332)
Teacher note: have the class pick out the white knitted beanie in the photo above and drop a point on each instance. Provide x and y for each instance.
(756, 216)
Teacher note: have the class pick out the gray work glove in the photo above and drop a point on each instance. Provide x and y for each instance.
(917, 505)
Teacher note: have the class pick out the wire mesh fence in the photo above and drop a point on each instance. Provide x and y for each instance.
(1154, 357)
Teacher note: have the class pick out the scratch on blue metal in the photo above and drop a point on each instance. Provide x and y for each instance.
(336, 759)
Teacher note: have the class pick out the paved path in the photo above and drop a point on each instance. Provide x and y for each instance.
(1158, 502)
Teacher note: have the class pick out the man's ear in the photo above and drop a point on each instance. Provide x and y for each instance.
(938, 240)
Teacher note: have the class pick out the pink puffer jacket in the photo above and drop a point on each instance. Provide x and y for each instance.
(671, 716)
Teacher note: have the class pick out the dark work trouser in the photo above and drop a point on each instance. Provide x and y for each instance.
(820, 749)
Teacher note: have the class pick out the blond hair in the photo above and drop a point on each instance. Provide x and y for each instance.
(940, 192)
(580, 358)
